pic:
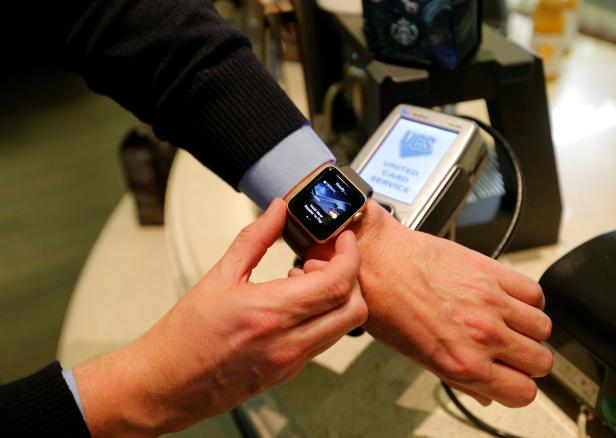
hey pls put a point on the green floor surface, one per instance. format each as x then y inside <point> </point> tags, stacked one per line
<point>59,181</point>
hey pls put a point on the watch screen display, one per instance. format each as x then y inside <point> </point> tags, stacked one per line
<point>326,203</point>
<point>406,158</point>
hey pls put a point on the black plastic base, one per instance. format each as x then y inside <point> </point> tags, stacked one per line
<point>511,81</point>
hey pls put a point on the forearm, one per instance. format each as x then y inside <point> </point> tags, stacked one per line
<point>112,397</point>
<point>182,68</point>
<point>378,236</point>
<point>129,392</point>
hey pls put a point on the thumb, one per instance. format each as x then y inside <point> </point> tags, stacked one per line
<point>251,243</point>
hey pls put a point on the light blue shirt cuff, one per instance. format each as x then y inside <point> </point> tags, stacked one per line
<point>72,385</point>
<point>284,166</point>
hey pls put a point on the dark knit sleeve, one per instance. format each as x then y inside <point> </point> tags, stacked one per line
<point>179,66</point>
<point>40,405</point>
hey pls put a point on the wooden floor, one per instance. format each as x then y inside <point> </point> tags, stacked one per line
<point>59,180</point>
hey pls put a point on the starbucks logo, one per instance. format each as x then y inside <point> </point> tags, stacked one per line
<point>404,32</point>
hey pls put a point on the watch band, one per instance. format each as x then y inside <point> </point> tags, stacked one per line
<point>295,236</point>
<point>357,180</point>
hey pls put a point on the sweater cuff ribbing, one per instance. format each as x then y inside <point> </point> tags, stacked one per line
<point>41,405</point>
<point>233,114</point>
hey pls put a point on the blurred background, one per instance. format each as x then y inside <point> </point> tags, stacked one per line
<point>59,180</point>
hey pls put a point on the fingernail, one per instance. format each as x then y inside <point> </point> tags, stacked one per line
<point>351,235</point>
<point>270,208</point>
<point>347,235</point>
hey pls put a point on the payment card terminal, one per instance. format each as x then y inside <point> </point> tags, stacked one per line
<point>422,165</point>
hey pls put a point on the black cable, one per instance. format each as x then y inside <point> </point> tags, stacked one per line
<point>501,142</point>
<point>475,420</point>
<point>243,423</point>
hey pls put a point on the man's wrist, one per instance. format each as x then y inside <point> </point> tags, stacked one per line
<point>115,399</point>
<point>376,234</point>
<point>369,233</point>
<point>285,166</point>
<point>69,378</point>
<point>379,235</point>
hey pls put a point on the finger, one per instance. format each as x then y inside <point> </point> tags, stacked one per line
<point>304,296</point>
<point>346,258</point>
<point>526,355</point>
<point>314,265</point>
<point>480,399</point>
<point>508,386</point>
<point>316,335</point>
<point>324,330</point>
<point>251,244</point>
<point>295,272</point>
<point>324,346</point>
<point>521,287</point>
<point>527,320</point>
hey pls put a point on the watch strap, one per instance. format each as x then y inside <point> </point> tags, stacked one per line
<point>357,180</point>
<point>297,238</point>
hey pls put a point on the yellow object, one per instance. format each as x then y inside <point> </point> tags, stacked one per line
<point>549,33</point>
<point>572,4</point>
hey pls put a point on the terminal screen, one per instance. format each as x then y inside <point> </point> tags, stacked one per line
<point>406,158</point>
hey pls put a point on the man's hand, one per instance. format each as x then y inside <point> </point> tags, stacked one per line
<point>469,319</point>
<point>226,340</point>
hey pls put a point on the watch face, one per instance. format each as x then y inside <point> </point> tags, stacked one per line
<point>326,203</point>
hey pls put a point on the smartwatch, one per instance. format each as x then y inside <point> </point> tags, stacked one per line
<point>321,208</point>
